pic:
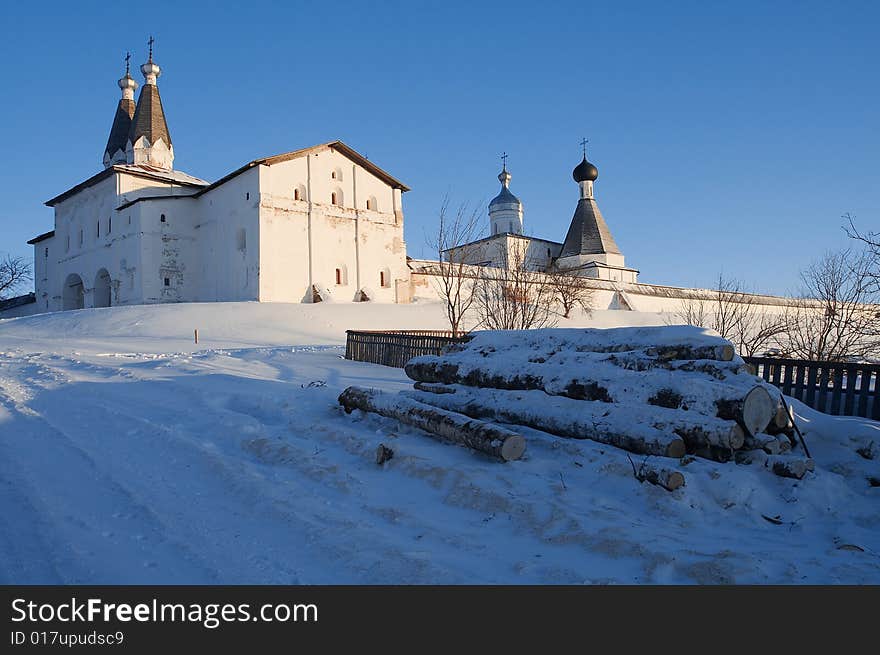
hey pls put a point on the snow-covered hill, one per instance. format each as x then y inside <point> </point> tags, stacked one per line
<point>130,455</point>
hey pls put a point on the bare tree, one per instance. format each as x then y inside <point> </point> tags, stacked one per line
<point>736,315</point>
<point>871,240</point>
<point>570,290</point>
<point>14,272</point>
<point>836,314</point>
<point>514,295</point>
<point>456,254</point>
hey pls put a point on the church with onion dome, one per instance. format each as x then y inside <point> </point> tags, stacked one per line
<point>312,224</point>
<point>589,249</point>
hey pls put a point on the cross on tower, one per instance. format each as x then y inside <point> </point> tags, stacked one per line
<point>584,143</point>
<point>504,160</point>
<point>151,42</point>
<point>127,60</point>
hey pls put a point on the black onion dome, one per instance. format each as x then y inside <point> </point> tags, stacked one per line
<point>585,171</point>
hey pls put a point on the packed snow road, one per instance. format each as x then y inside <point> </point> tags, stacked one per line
<point>236,465</point>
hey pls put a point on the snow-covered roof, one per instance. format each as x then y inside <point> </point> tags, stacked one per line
<point>138,170</point>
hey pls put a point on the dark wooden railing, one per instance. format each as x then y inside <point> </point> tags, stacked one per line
<point>830,387</point>
<point>395,348</point>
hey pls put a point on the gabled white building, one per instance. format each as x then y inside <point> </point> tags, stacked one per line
<point>313,224</point>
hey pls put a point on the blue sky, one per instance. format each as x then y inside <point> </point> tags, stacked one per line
<point>728,136</point>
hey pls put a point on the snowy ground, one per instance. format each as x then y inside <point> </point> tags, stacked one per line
<point>129,455</point>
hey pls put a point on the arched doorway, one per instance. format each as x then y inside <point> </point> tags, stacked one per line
<point>72,294</point>
<point>102,288</point>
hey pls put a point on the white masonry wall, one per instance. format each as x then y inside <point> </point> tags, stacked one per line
<point>90,236</point>
<point>227,236</point>
<point>304,242</point>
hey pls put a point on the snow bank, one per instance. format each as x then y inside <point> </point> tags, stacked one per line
<point>169,328</point>
<point>128,455</point>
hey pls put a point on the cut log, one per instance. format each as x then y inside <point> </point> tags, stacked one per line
<point>659,475</point>
<point>744,399</point>
<point>753,411</point>
<point>780,423</point>
<point>637,428</point>
<point>665,342</point>
<point>433,387</point>
<point>487,438</point>
<point>790,467</point>
<point>723,352</point>
<point>383,454</point>
<point>640,361</point>
<point>583,419</point>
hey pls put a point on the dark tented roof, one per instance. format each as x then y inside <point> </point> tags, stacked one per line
<point>149,118</point>
<point>588,233</point>
<point>121,126</point>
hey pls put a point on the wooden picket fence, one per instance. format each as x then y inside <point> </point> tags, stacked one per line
<point>395,348</point>
<point>830,387</point>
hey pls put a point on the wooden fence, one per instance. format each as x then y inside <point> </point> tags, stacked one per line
<point>830,387</point>
<point>395,348</point>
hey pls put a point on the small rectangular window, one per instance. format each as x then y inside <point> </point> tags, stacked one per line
<point>80,237</point>
<point>98,228</point>
<point>47,252</point>
<point>167,281</point>
<point>109,225</point>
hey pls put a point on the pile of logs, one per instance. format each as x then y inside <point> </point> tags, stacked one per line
<point>658,391</point>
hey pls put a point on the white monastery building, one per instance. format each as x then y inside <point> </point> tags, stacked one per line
<point>314,224</point>
<point>297,227</point>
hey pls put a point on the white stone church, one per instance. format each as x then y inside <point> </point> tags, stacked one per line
<point>589,249</point>
<point>297,227</point>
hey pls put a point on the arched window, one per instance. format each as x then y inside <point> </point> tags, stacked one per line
<point>333,198</point>
<point>372,204</point>
<point>296,194</point>
<point>162,218</point>
<point>336,198</point>
<point>336,174</point>
<point>341,275</point>
<point>299,193</point>
<point>385,278</point>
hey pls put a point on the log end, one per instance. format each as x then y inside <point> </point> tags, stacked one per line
<point>726,353</point>
<point>513,448</point>
<point>758,409</point>
<point>737,437</point>
<point>676,448</point>
<point>674,480</point>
